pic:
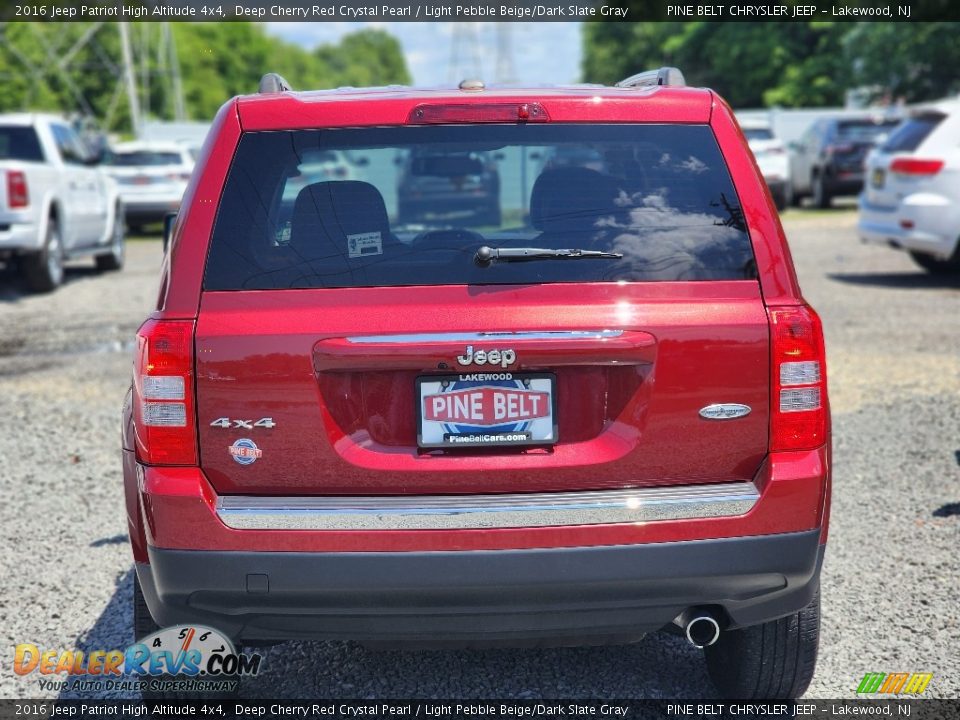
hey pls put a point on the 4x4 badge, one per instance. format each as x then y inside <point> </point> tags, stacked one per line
<point>724,411</point>
<point>227,423</point>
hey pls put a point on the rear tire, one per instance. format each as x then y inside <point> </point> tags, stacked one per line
<point>821,196</point>
<point>780,199</point>
<point>795,198</point>
<point>774,661</point>
<point>43,271</point>
<point>935,266</point>
<point>113,260</point>
<point>144,625</point>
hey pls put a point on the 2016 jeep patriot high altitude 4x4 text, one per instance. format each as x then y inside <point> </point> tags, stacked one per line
<point>597,412</point>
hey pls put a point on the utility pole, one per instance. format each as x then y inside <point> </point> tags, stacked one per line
<point>179,107</point>
<point>464,53</point>
<point>129,79</point>
<point>505,72</point>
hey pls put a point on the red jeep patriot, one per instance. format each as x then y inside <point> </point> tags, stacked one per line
<point>483,365</point>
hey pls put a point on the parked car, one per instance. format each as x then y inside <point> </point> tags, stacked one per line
<point>574,156</point>
<point>607,422</point>
<point>318,166</point>
<point>828,159</point>
<point>911,200</point>
<point>152,176</point>
<point>55,202</point>
<point>772,158</point>
<point>435,189</point>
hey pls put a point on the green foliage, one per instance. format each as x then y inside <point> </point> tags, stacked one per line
<point>217,61</point>
<point>791,64</point>
<point>915,61</point>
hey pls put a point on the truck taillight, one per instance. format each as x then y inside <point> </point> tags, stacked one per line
<point>799,402</point>
<point>17,194</point>
<point>164,418</point>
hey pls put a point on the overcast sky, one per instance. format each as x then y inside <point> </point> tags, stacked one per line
<point>547,52</point>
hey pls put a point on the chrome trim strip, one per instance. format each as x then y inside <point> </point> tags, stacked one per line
<point>468,337</point>
<point>461,512</point>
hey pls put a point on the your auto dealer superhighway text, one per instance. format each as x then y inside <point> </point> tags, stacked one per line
<point>430,11</point>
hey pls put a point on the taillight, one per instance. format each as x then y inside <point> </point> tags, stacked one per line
<point>799,374</point>
<point>838,149</point>
<point>17,194</point>
<point>916,166</point>
<point>166,428</point>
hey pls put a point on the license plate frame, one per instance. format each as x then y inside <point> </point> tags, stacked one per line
<point>541,431</point>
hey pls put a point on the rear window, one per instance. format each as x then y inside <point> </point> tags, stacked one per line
<point>141,158</point>
<point>910,133</point>
<point>412,205</point>
<point>864,130</point>
<point>19,143</point>
<point>758,134</point>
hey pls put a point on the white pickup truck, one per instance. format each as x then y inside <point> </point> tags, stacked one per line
<point>55,203</point>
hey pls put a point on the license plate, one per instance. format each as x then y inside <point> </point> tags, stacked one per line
<point>486,409</point>
<point>876,180</point>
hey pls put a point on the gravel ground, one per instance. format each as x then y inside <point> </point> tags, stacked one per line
<point>890,583</point>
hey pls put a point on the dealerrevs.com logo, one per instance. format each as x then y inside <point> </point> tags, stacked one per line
<point>894,683</point>
<point>190,658</point>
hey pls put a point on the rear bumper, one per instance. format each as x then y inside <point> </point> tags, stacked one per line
<point>935,226</point>
<point>843,184</point>
<point>20,237</point>
<point>152,209</point>
<point>558,595</point>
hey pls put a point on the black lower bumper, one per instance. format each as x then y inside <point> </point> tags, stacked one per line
<point>559,595</point>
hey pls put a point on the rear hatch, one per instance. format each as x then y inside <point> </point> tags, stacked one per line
<point>884,188</point>
<point>342,351</point>
<point>851,142</point>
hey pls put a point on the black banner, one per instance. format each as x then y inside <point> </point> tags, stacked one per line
<point>911,708</point>
<point>480,10</point>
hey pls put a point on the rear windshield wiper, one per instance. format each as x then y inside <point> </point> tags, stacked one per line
<point>487,255</point>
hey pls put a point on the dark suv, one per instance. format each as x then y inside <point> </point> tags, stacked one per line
<point>605,416</point>
<point>828,159</point>
<point>437,189</point>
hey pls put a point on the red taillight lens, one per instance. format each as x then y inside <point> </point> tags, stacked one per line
<point>916,166</point>
<point>164,417</point>
<point>17,194</point>
<point>478,113</point>
<point>799,402</point>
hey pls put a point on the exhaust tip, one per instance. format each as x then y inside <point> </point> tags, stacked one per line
<point>702,631</point>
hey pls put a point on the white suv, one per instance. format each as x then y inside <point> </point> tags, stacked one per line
<point>772,159</point>
<point>152,177</point>
<point>911,196</point>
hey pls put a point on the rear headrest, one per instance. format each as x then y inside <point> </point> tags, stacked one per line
<point>572,199</point>
<point>328,215</point>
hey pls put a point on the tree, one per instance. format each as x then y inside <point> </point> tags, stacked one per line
<point>810,64</point>
<point>365,58</point>
<point>913,61</point>
<point>217,61</point>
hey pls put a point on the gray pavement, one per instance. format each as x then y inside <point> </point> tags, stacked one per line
<point>890,585</point>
